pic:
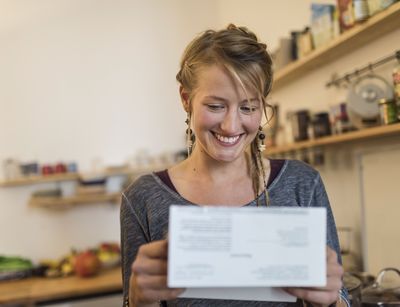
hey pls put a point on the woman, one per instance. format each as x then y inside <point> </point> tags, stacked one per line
<point>225,77</point>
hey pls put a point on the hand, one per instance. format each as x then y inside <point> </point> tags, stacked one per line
<point>148,281</point>
<point>323,296</point>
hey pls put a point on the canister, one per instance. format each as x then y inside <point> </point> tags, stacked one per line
<point>387,111</point>
<point>360,10</point>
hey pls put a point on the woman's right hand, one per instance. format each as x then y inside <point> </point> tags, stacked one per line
<point>148,281</point>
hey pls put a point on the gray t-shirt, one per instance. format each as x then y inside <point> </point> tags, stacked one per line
<point>144,218</point>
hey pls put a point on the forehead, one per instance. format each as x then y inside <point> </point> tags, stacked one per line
<point>216,79</point>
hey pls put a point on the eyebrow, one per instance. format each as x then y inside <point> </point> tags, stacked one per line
<point>225,100</point>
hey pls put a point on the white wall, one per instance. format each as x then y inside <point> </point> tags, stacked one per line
<point>85,79</point>
<point>269,19</point>
<point>80,81</point>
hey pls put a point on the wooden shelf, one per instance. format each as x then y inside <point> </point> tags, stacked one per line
<point>28,180</point>
<point>367,133</point>
<point>66,202</point>
<point>361,34</point>
<point>39,179</point>
<point>33,290</point>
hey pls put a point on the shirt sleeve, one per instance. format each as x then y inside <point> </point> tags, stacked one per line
<point>320,199</point>
<point>133,235</point>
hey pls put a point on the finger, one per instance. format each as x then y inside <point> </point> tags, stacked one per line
<point>155,249</point>
<point>334,270</point>
<point>157,295</point>
<point>153,282</point>
<point>314,296</point>
<point>150,266</point>
<point>333,284</point>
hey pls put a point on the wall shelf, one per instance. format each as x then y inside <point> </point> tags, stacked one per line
<point>29,180</point>
<point>39,179</point>
<point>367,133</point>
<point>361,34</point>
<point>66,202</point>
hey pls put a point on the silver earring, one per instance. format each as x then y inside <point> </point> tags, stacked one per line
<point>260,139</point>
<point>189,135</point>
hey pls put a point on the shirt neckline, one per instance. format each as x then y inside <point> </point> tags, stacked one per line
<point>269,187</point>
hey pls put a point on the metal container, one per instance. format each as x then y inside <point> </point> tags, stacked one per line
<point>360,10</point>
<point>387,111</point>
<point>382,294</point>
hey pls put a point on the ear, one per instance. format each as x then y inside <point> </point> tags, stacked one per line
<point>184,98</point>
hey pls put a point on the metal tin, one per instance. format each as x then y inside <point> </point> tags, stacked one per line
<point>360,10</point>
<point>382,294</point>
<point>387,111</point>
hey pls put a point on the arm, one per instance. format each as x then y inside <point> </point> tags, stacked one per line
<point>333,292</point>
<point>144,263</point>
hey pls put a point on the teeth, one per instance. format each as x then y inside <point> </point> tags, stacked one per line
<point>229,140</point>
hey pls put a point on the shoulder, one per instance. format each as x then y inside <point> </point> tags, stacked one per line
<point>296,176</point>
<point>142,187</point>
<point>298,184</point>
<point>299,169</point>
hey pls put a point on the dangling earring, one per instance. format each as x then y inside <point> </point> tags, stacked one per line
<point>189,135</point>
<point>260,139</point>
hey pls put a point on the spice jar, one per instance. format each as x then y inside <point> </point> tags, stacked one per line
<point>387,111</point>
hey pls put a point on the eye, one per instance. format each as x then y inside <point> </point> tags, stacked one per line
<point>248,109</point>
<point>215,107</point>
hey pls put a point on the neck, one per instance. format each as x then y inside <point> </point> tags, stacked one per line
<point>210,169</point>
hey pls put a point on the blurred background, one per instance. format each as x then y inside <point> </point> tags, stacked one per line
<point>89,100</point>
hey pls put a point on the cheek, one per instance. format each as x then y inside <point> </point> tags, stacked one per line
<point>253,123</point>
<point>204,119</point>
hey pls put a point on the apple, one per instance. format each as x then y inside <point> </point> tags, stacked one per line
<point>87,264</point>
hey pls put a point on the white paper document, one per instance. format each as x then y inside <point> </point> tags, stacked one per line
<point>240,253</point>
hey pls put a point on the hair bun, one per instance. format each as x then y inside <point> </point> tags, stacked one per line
<point>245,31</point>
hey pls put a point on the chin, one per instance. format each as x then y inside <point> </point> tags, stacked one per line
<point>227,157</point>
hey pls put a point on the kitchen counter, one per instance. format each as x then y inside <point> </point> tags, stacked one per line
<point>30,291</point>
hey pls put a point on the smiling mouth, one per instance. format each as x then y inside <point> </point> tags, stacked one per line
<point>228,140</point>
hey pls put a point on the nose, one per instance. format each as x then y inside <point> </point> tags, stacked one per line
<point>231,122</point>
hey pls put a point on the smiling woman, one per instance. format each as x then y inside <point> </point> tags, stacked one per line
<point>224,79</point>
<point>234,67</point>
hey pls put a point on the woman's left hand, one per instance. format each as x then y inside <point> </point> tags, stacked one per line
<point>323,296</point>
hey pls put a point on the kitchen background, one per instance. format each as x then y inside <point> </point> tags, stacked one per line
<point>93,82</point>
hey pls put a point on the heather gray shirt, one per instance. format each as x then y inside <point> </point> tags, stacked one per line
<point>144,218</point>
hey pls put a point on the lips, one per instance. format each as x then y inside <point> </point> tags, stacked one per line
<point>227,140</point>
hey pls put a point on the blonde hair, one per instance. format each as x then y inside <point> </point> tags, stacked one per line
<point>240,52</point>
